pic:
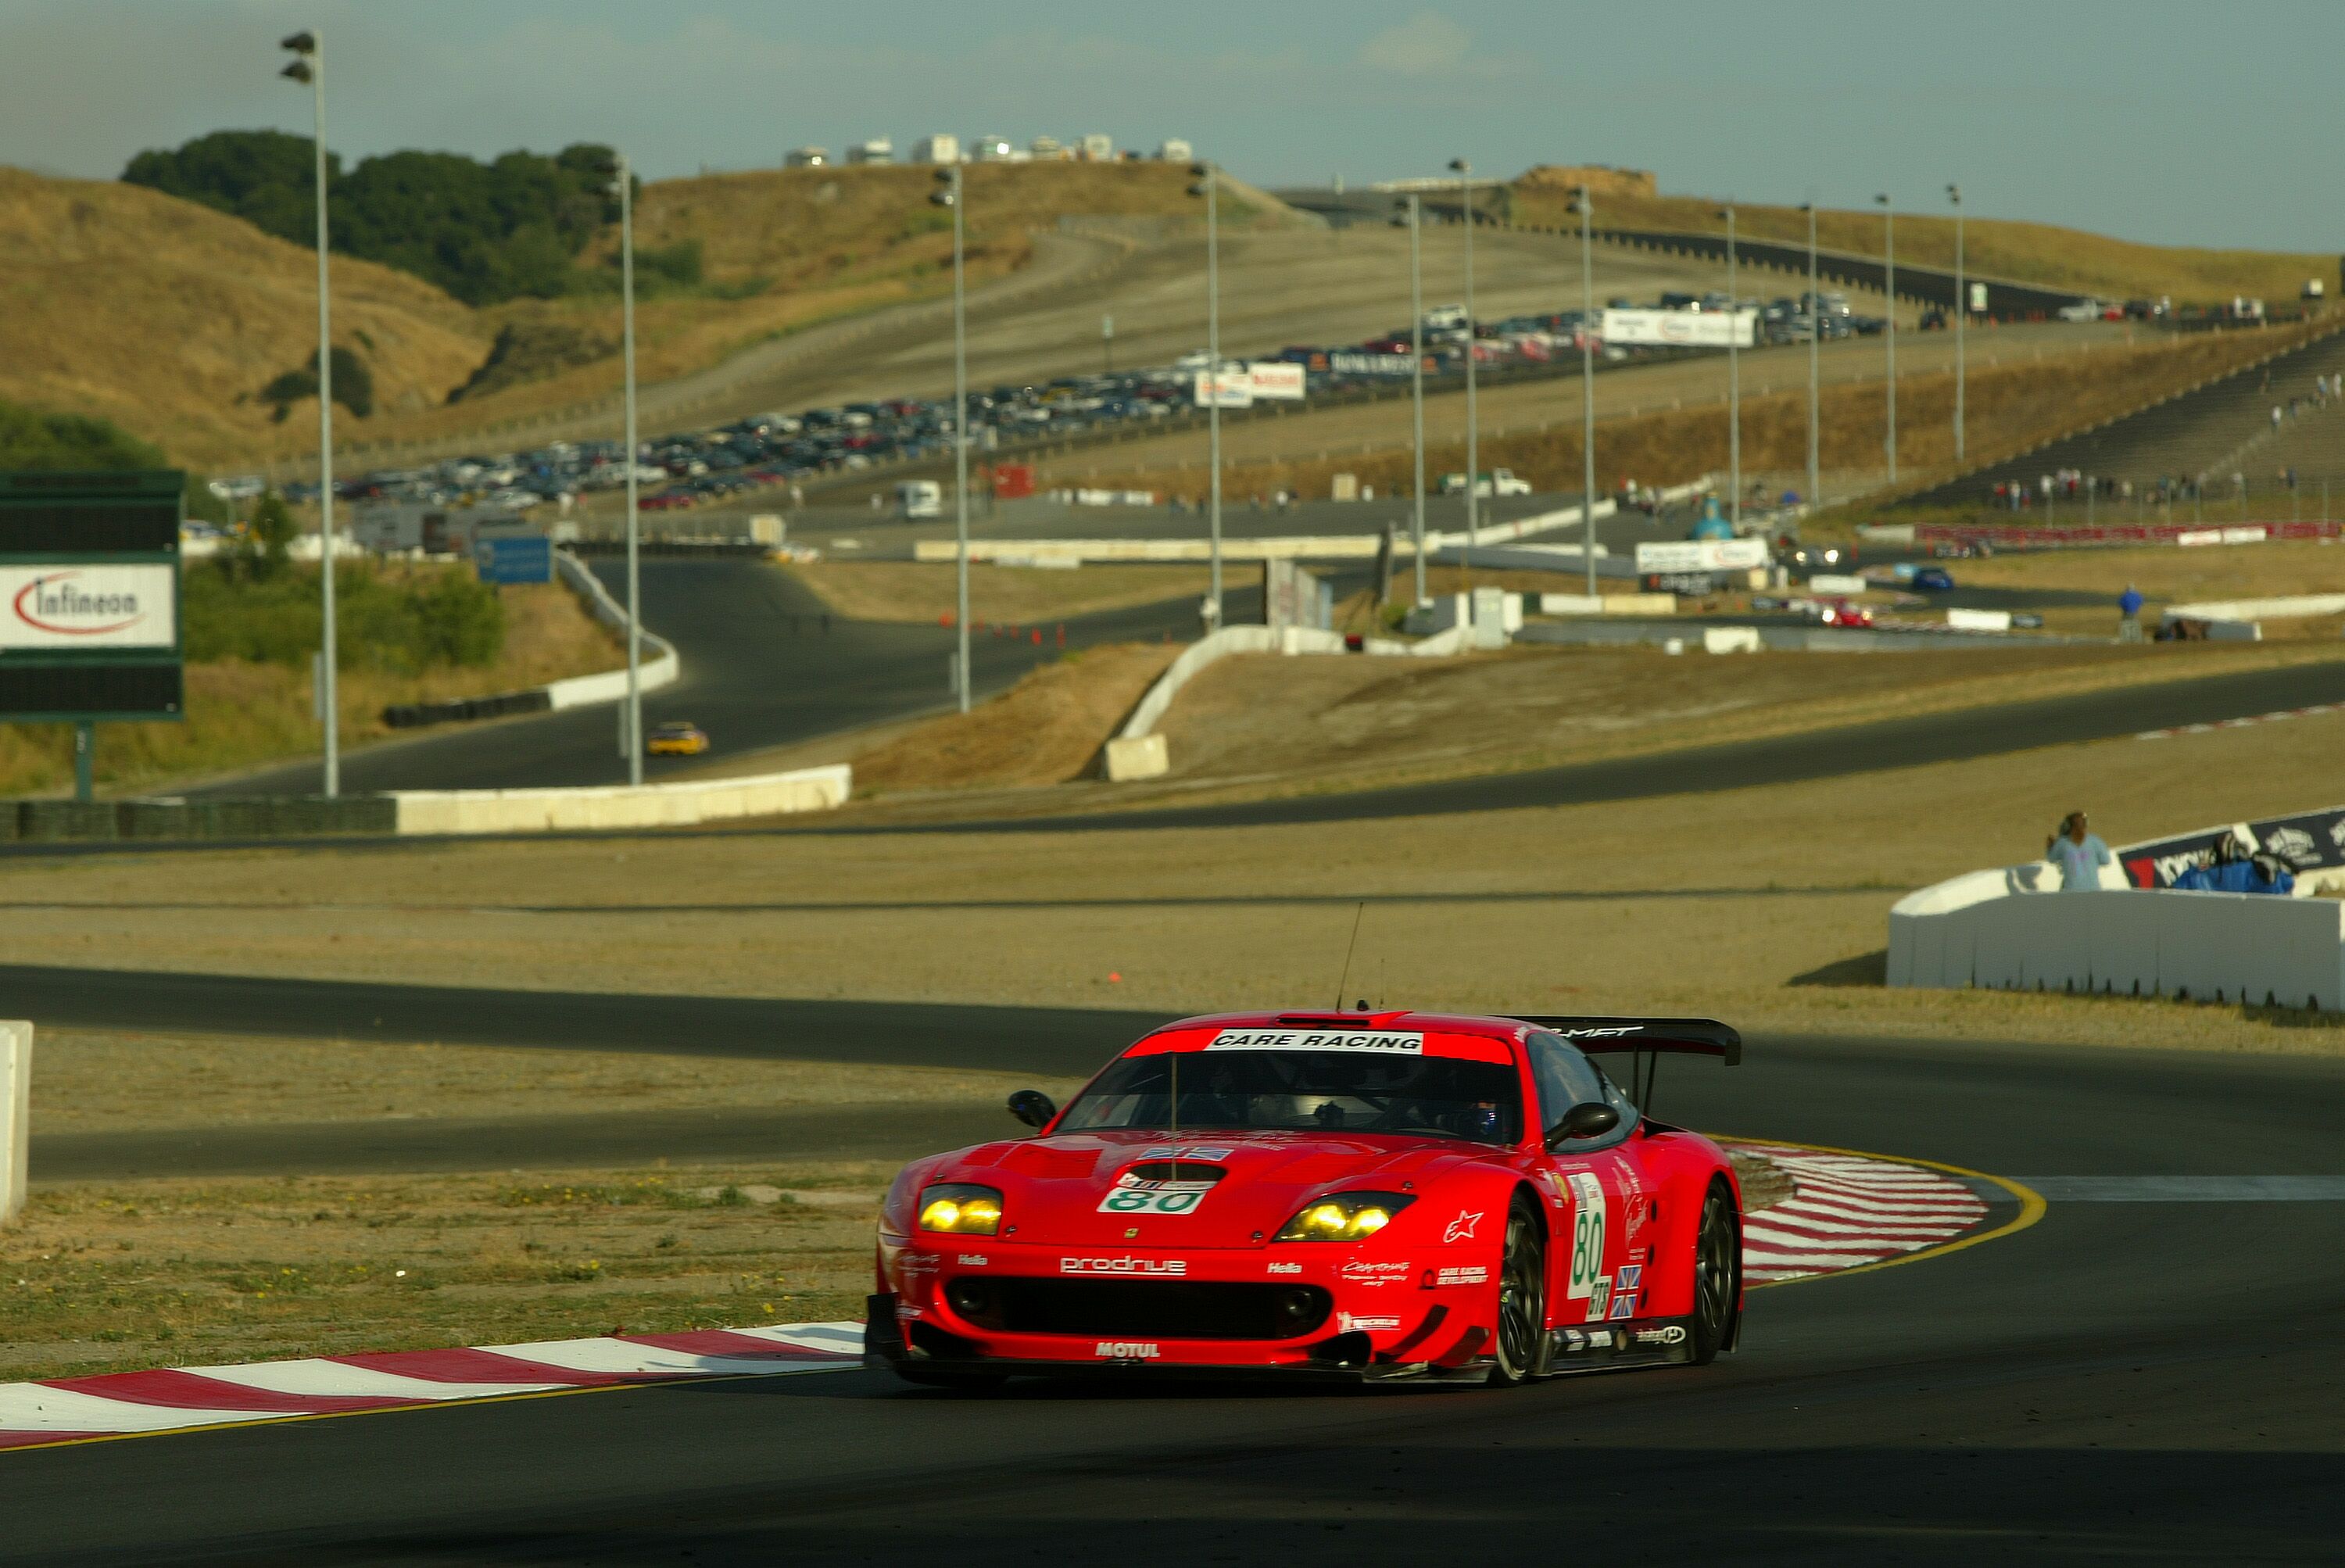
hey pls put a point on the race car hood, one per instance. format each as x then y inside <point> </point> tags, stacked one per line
<point>1054,1189</point>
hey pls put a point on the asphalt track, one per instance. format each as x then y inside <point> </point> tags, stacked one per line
<point>2140,1381</point>
<point>1830,753</point>
<point>764,665</point>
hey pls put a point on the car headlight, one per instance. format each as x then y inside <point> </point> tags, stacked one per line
<point>1345,1217</point>
<point>960,1209</point>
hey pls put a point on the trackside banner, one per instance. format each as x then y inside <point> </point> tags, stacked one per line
<point>110,607</point>
<point>2309,840</point>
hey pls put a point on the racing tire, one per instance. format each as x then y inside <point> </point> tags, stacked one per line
<point>1521,1319</point>
<point>1717,1275</point>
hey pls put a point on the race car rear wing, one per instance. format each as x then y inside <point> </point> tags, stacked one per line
<point>1647,1040</point>
<point>1674,1036</point>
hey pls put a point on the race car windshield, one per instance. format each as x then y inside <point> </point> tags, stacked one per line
<point>1307,1090</point>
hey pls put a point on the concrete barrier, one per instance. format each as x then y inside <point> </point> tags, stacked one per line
<point>1137,756</point>
<point>462,811</point>
<point>16,1115</point>
<point>1963,620</point>
<point>662,669</point>
<point>1729,639</point>
<point>2016,930</point>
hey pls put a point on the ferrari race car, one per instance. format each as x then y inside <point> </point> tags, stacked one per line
<point>1358,1195</point>
<point>675,738</point>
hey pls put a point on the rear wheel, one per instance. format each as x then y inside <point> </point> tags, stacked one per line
<point>1717,1275</point>
<point>1522,1300</point>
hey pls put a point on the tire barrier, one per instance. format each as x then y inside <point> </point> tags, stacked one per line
<point>415,714</point>
<point>257,817</point>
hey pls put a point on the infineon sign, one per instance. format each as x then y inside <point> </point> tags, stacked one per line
<point>89,597</point>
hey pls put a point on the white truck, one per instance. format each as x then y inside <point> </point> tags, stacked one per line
<point>1497,482</point>
<point>919,498</point>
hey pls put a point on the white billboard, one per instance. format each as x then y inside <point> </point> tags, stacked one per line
<point>1701,555</point>
<point>1275,379</point>
<point>1680,329</point>
<point>1230,389</point>
<point>126,606</point>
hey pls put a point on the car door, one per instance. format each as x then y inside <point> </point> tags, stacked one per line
<point>1598,1199</point>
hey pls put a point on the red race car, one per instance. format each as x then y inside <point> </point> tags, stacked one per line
<point>1361,1196</point>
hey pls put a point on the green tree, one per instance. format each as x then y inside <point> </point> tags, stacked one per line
<point>32,439</point>
<point>354,383</point>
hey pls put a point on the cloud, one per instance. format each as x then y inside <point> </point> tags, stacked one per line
<point>1427,44</point>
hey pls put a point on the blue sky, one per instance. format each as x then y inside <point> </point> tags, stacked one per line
<point>2198,124</point>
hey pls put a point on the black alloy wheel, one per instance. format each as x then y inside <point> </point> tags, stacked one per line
<point>1522,1300</point>
<point>1717,1275</point>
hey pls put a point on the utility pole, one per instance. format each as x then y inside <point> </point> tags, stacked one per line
<point>1961,315</point>
<point>1586,391</point>
<point>951,196</point>
<point>1464,172</point>
<point>1888,230</point>
<point>310,66</point>
<point>1209,186</point>
<point>633,726</point>
<point>1416,373</point>
<point>1815,339</point>
<point>1734,377</point>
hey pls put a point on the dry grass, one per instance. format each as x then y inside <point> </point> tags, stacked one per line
<point>998,596</point>
<point>168,318</point>
<point>1764,906</point>
<point>2009,407</point>
<point>243,715</point>
<point>1046,729</point>
<point>103,1276</point>
<point>2166,574</point>
<point>2039,253</point>
<point>103,1080</point>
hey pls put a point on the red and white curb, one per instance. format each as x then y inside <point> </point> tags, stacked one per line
<point>112,1404</point>
<point>1849,1210</point>
<point>1845,1211</point>
<point>2240,723</point>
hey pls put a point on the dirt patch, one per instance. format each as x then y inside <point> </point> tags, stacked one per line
<point>1269,725</point>
<point>998,596</point>
<point>1046,729</point>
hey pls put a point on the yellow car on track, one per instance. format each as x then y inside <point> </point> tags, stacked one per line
<point>677,738</point>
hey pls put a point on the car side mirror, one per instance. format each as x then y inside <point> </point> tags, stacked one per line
<point>1034,1108</point>
<point>1591,1119</point>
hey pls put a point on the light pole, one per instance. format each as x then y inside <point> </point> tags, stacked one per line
<point>631,727</point>
<point>1464,172</point>
<point>310,66</point>
<point>1889,231</point>
<point>1416,376</point>
<point>1587,388</point>
<point>1209,186</point>
<point>951,196</point>
<point>1733,377</point>
<point>1815,339</point>
<point>1961,315</point>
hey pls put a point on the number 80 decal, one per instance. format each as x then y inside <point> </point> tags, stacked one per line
<point>1155,1197</point>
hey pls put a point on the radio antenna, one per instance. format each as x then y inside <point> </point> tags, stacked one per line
<point>1349,948</point>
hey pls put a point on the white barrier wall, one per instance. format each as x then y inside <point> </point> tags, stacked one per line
<point>660,669</point>
<point>16,1115</point>
<point>2014,930</point>
<point>456,812</point>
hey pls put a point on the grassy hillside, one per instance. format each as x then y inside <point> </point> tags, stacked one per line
<point>2038,253</point>
<point>169,319</point>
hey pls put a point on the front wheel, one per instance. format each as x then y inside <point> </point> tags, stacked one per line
<point>1522,1300</point>
<point>1717,1276</point>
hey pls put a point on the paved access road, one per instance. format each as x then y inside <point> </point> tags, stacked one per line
<point>764,665</point>
<point>2125,1380</point>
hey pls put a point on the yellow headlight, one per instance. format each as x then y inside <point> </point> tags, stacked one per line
<point>1369,1221</point>
<point>971,1213</point>
<point>1345,1216</point>
<point>1326,1219</point>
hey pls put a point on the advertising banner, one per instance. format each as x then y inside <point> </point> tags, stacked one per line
<point>513,558</point>
<point>2310,841</point>
<point>1231,389</point>
<point>1275,379</point>
<point>1680,328</point>
<point>88,607</point>
<point>1699,555</point>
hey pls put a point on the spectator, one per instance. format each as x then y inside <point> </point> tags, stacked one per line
<point>2129,608</point>
<point>2230,868</point>
<point>2079,854</point>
